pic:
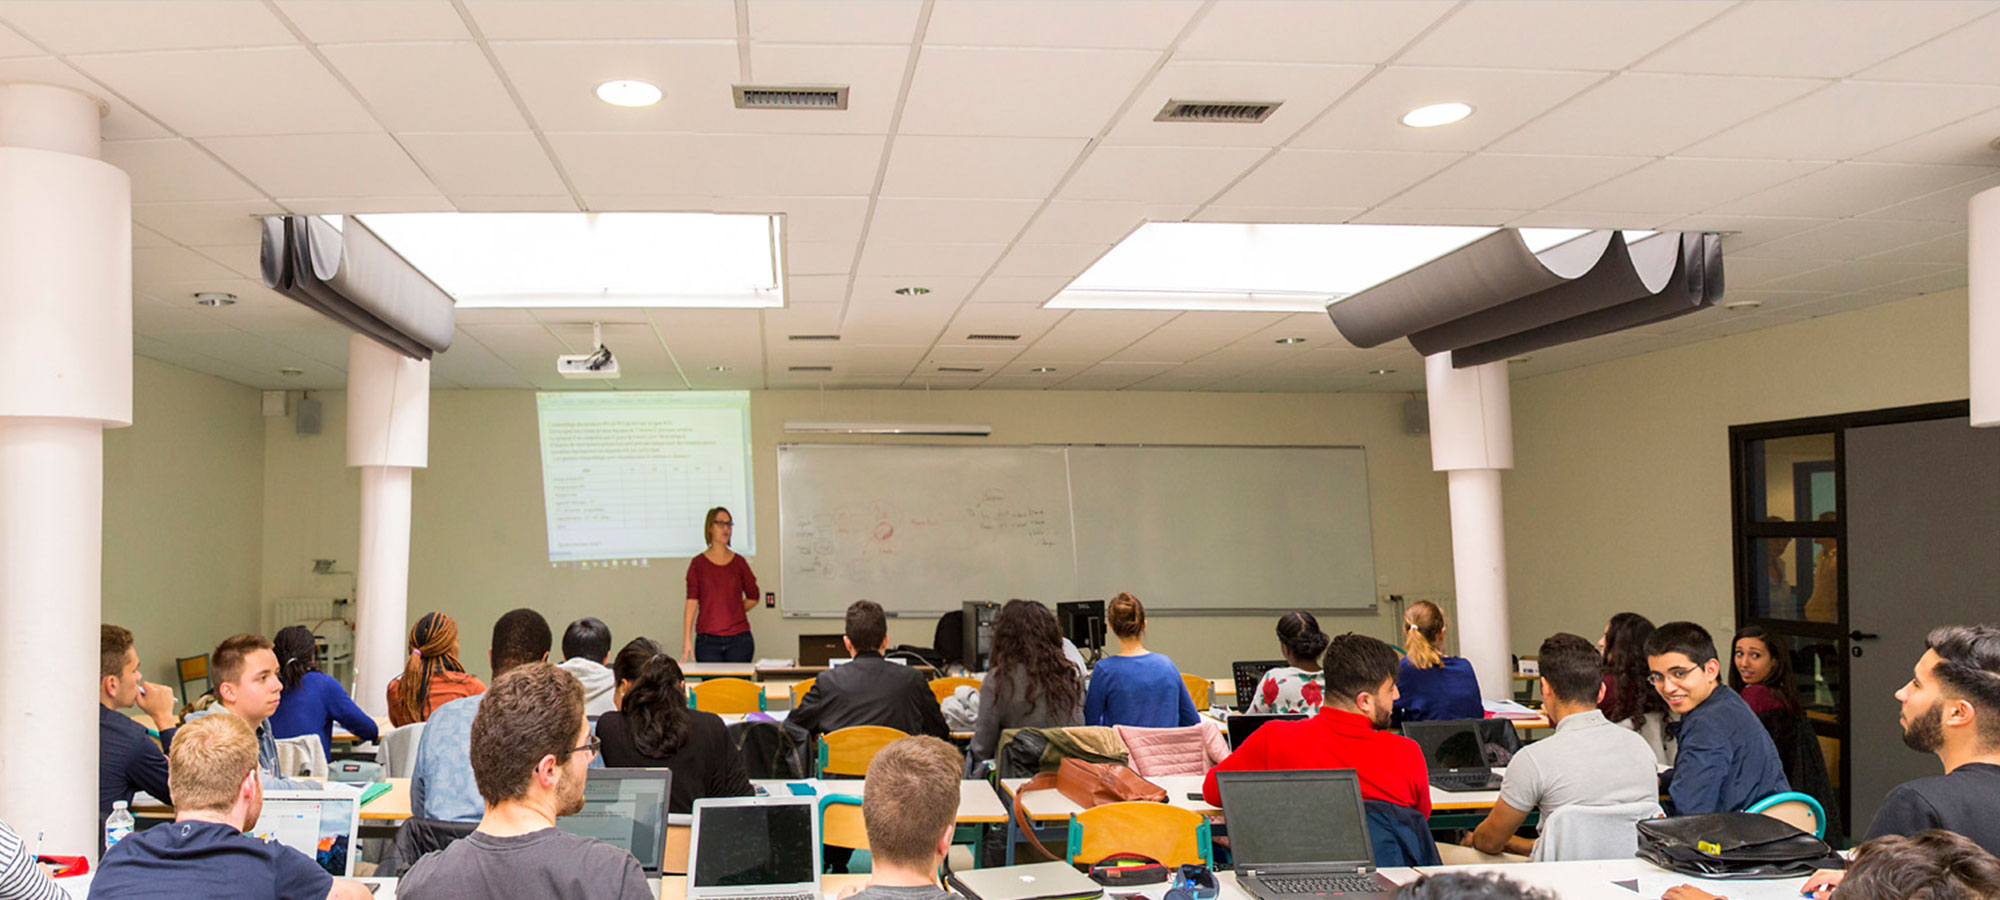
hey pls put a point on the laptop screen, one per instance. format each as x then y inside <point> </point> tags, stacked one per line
<point>626,808</point>
<point>1297,816</point>
<point>1448,745</point>
<point>752,844</point>
<point>319,825</point>
<point>1242,725</point>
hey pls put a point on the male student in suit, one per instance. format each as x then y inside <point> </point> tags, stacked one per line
<point>870,690</point>
<point>244,670</point>
<point>441,780</point>
<point>1951,707</point>
<point>1726,760</point>
<point>127,759</point>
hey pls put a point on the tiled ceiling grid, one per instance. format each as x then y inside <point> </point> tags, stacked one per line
<point>995,148</point>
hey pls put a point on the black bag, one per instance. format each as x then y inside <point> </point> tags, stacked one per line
<point>1733,845</point>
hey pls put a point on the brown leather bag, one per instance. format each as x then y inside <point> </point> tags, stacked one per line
<point>1086,784</point>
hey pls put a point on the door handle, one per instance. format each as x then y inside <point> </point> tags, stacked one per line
<point>1860,635</point>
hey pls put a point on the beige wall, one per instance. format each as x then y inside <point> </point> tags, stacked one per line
<point>183,516</point>
<point>480,547</point>
<point>1619,499</point>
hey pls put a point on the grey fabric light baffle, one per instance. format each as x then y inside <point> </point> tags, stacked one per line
<point>351,276</point>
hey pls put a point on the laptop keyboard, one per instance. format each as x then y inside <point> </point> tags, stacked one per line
<point>1323,884</point>
<point>805,896</point>
<point>1461,778</point>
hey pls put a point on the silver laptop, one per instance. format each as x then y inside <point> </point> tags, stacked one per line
<point>319,824</point>
<point>1040,881</point>
<point>754,847</point>
<point>1300,833</point>
<point>626,808</point>
<point>1454,754</point>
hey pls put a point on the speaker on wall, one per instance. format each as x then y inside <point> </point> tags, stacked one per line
<point>308,417</point>
<point>1416,415</point>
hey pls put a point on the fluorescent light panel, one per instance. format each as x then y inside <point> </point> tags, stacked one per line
<point>593,260</point>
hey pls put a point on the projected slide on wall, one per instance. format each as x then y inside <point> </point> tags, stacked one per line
<point>629,475</point>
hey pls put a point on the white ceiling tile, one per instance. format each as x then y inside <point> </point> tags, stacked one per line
<point>1943,280</point>
<point>1685,185</point>
<point>1333,178</point>
<point>1825,40</point>
<point>912,220</point>
<point>481,316</point>
<point>175,171</point>
<point>1850,189</point>
<point>1020,290</point>
<point>1478,218</point>
<point>1501,99</point>
<point>482,203</point>
<point>152,316</point>
<point>1300,215</point>
<point>1652,114</point>
<point>989,355</point>
<point>469,364</point>
<point>345,21</point>
<point>323,165</point>
<point>877,292</point>
<point>1099,24</point>
<point>1090,334</point>
<point>586,316</point>
<point>1304,89</point>
<point>247,351</point>
<point>800,318</point>
<point>815,290</point>
<point>1029,322</point>
<point>205,223</point>
<point>326,344</point>
<point>1950,248</point>
<point>1512,182</point>
<point>920,260</point>
<point>1186,175</point>
<point>721,164</point>
<point>242,260</point>
<point>1962,143</point>
<point>486,164</point>
<point>506,20</point>
<point>113,26</point>
<point>1853,238</point>
<point>1284,31</point>
<point>1744,232</point>
<point>123,121</point>
<point>12,44</point>
<point>1049,260</point>
<point>1112,375</point>
<point>1556,34</point>
<point>557,82</point>
<point>1098,222</point>
<point>1849,119</point>
<point>1026,168</point>
<point>1016,92</point>
<point>429,86</point>
<point>915,323</point>
<point>307,206</point>
<point>819,257</point>
<point>873,76</point>
<point>147,237</point>
<point>1948,205</point>
<point>1751,272</point>
<point>1858,275</point>
<point>193,361</point>
<point>273,90</point>
<point>1962,56</point>
<point>851,22</point>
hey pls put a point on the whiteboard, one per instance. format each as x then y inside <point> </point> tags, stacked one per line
<point>921,529</point>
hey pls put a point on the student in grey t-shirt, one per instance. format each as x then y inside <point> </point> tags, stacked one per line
<point>909,804</point>
<point>1588,760</point>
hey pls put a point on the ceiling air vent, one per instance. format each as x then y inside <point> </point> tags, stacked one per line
<point>1241,112</point>
<point>961,370</point>
<point>809,368</point>
<point>812,337</point>
<point>791,96</point>
<point>992,337</point>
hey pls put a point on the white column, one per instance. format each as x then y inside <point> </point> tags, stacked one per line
<point>65,375</point>
<point>388,434</point>
<point>1472,440</point>
<point>1984,323</point>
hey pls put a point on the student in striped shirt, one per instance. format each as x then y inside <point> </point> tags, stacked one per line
<point>20,877</point>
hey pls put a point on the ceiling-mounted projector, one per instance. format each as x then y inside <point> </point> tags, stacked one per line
<point>598,363</point>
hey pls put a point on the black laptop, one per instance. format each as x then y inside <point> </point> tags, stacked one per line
<point>1242,724</point>
<point>1454,754</point>
<point>817,649</point>
<point>1248,676</point>
<point>1300,833</point>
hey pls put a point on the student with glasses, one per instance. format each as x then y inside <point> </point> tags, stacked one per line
<point>1726,760</point>
<point>721,591</point>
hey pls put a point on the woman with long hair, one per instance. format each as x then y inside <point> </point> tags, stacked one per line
<point>654,727</point>
<point>1761,671</point>
<point>312,700</point>
<point>1433,685</point>
<point>432,676</point>
<point>1296,686</point>
<point>1029,682</point>
<point>1628,698</point>
<point>1137,687</point>
<point>625,666</point>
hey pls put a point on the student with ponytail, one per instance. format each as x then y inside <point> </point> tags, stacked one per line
<point>654,727</point>
<point>1297,686</point>
<point>312,700</point>
<point>432,676</point>
<point>1433,685</point>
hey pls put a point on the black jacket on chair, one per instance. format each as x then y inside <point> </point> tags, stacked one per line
<point>868,691</point>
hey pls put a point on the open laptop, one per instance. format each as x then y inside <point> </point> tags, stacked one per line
<point>817,649</point>
<point>1454,754</point>
<point>1242,724</point>
<point>1300,833</point>
<point>319,824</point>
<point>1248,676</point>
<point>754,847</point>
<point>626,808</point>
<point>1040,881</point>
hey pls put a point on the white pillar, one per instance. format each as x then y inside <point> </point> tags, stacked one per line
<point>388,434</point>
<point>1984,324</point>
<point>65,375</point>
<point>1472,440</point>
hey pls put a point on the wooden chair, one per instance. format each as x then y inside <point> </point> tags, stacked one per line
<point>726,695</point>
<point>1798,810</point>
<point>675,861</point>
<point>945,687</point>
<point>799,691</point>
<point>1170,834</point>
<point>192,669</point>
<point>1198,689</point>
<point>841,823</point>
<point>847,751</point>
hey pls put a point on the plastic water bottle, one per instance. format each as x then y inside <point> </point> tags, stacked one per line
<point>118,825</point>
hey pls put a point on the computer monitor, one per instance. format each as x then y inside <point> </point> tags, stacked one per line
<point>978,625</point>
<point>318,823</point>
<point>626,808</point>
<point>1083,623</point>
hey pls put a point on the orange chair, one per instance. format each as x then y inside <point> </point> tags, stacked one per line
<point>675,862</point>
<point>848,751</point>
<point>1198,689</point>
<point>841,823</point>
<point>945,687</point>
<point>799,691</point>
<point>1170,834</point>
<point>727,695</point>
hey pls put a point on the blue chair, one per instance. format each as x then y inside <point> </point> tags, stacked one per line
<point>1800,811</point>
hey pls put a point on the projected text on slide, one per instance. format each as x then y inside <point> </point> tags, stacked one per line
<point>629,475</point>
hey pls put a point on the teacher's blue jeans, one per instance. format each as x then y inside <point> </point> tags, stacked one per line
<point>736,648</point>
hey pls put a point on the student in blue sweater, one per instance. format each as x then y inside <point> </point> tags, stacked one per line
<point>312,700</point>
<point>1726,760</point>
<point>1137,687</point>
<point>1433,686</point>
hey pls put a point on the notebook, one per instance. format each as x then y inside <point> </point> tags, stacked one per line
<point>1454,754</point>
<point>1300,833</point>
<point>1040,881</point>
<point>754,847</point>
<point>626,808</point>
<point>319,824</point>
<point>1242,724</point>
<point>1248,676</point>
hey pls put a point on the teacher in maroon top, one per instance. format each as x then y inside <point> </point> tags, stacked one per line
<point>721,589</point>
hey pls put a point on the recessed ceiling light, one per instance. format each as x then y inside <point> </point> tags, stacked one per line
<point>290,372</point>
<point>913,291</point>
<point>1042,370</point>
<point>214,298</point>
<point>632,94</point>
<point>1742,305</point>
<point>1381,371</point>
<point>1436,114</point>
<point>1291,340</point>
<point>718,368</point>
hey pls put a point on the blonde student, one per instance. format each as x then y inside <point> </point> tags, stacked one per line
<point>1433,685</point>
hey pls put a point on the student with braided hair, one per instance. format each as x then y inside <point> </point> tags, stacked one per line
<point>433,676</point>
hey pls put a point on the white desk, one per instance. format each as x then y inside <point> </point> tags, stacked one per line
<point>977,803</point>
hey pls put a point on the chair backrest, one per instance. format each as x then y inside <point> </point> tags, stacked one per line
<point>1399,835</point>
<point>398,753</point>
<point>679,839</point>
<point>944,687</point>
<point>1160,752</point>
<point>1170,834</point>
<point>302,756</point>
<point>1798,810</point>
<point>841,823</point>
<point>726,695</point>
<point>418,836</point>
<point>1580,831</point>
<point>799,691</point>
<point>192,669</point>
<point>1198,688</point>
<point>848,751</point>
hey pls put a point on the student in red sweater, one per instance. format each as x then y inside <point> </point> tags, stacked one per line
<point>1346,734</point>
